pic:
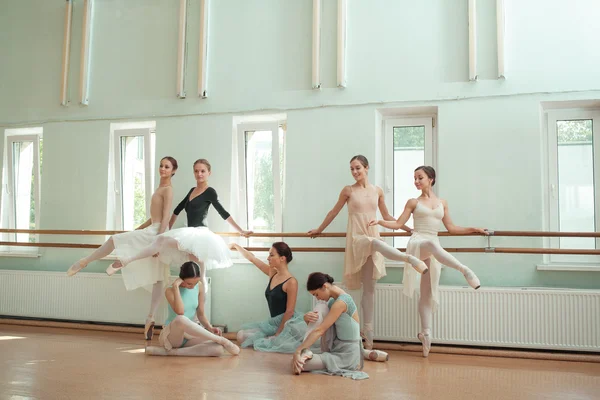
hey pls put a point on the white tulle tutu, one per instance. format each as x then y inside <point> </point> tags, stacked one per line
<point>142,273</point>
<point>208,247</point>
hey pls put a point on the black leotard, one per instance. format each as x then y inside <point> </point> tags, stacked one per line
<point>197,209</point>
<point>276,298</point>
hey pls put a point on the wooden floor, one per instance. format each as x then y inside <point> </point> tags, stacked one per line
<point>51,363</point>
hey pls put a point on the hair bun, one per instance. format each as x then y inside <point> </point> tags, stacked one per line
<point>329,278</point>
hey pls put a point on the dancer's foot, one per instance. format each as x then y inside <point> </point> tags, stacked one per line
<point>472,279</point>
<point>75,268</point>
<point>230,347</point>
<point>377,355</point>
<point>418,265</point>
<point>425,339</point>
<point>156,351</point>
<point>114,267</point>
<point>149,328</point>
<point>367,335</point>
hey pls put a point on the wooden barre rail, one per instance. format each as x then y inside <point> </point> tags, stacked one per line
<point>504,250</point>
<point>304,234</point>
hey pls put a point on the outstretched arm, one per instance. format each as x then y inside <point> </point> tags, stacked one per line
<point>384,210</point>
<point>264,267</point>
<point>399,223</point>
<point>344,195</point>
<point>458,230</point>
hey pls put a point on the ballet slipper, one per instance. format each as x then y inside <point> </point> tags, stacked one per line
<point>149,329</point>
<point>418,265</point>
<point>230,347</point>
<point>111,270</point>
<point>425,339</point>
<point>472,279</point>
<point>75,268</point>
<point>378,355</point>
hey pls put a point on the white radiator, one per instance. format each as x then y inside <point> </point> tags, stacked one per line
<point>537,318</point>
<point>83,297</point>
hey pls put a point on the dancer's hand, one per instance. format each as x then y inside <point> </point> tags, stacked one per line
<point>156,255</point>
<point>177,282</point>
<point>313,233</point>
<point>312,316</point>
<point>246,233</point>
<point>216,331</point>
<point>481,231</point>
<point>297,364</point>
<point>373,222</point>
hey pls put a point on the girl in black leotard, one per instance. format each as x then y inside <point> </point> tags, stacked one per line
<point>195,242</point>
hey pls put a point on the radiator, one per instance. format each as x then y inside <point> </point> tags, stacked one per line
<point>560,319</point>
<point>83,297</point>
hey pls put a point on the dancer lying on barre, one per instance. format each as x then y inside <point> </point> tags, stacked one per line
<point>181,335</point>
<point>428,212</point>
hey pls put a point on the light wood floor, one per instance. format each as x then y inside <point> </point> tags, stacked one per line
<point>51,363</point>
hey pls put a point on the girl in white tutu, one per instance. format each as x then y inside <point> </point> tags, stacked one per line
<point>363,265</point>
<point>144,273</point>
<point>428,212</point>
<point>181,334</point>
<point>195,242</point>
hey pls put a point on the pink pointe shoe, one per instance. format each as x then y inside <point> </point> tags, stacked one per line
<point>75,268</point>
<point>418,265</point>
<point>113,268</point>
<point>425,339</point>
<point>472,280</point>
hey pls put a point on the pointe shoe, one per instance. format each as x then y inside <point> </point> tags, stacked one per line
<point>230,347</point>
<point>156,351</point>
<point>368,339</point>
<point>305,355</point>
<point>112,270</point>
<point>425,338</point>
<point>149,329</point>
<point>378,355</point>
<point>472,280</point>
<point>418,265</point>
<point>75,268</point>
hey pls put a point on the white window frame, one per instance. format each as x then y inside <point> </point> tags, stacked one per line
<point>389,123</point>
<point>550,198</point>
<point>8,213</point>
<point>148,135</point>
<point>274,127</point>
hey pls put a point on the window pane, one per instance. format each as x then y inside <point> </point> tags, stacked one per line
<point>409,153</point>
<point>259,182</point>
<point>133,182</point>
<point>23,194</point>
<point>576,181</point>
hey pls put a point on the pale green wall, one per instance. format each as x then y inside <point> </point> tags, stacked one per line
<point>400,53</point>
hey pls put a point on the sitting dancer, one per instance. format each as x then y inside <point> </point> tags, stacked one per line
<point>428,211</point>
<point>363,265</point>
<point>149,272</point>
<point>339,333</point>
<point>285,330</point>
<point>181,334</point>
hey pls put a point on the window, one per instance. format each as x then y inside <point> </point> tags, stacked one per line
<point>21,184</point>
<point>573,182</point>
<point>408,144</point>
<point>133,183</point>
<point>261,175</point>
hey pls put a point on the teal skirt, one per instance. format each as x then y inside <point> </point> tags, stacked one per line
<point>287,341</point>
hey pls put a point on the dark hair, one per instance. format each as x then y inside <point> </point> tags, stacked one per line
<point>429,171</point>
<point>189,269</point>
<point>316,280</point>
<point>173,163</point>
<point>283,250</point>
<point>202,161</point>
<point>362,159</point>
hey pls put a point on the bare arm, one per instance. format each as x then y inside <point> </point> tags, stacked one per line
<point>252,258</point>
<point>384,210</point>
<point>458,230</point>
<point>338,308</point>
<point>408,209</point>
<point>200,312</point>
<point>344,195</point>
<point>174,297</point>
<point>172,221</point>
<point>291,288</point>
<point>237,227</point>
<point>167,202</point>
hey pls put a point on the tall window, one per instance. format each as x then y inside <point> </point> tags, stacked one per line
<point>133,174</point>
<point>262,164</point>
<point>408,144</point>
<point>21,178</point>
<point>574,181</point>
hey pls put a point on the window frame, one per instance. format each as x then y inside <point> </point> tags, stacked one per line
<point>551,190</point>
<point>12,136</point>
<point>148,135</point>
<point>278,196</point>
